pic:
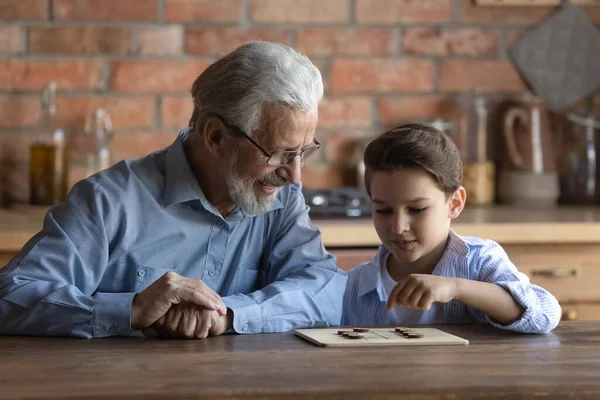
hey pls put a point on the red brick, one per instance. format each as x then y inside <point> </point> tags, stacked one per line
<point>31,74</point>
<point>124,112</point>
<point>12,39</point>
<point>512,35</point>
<point>403,11</point>
<point>79,40</point>
<point>498,76</point>
<point>23,111</point>
<point>346,41</point>
<point>134,145</point>
<point>160,40</point>
<point>155,76</point>
<point>299,11</point>
<point>398,110</point>
<point>345,111</point>
<point>381,75</point>
<point>176,111</point>
<point>502,15</point>
<point>218,41</point>
<point>106,10</point>
<point>19,111</point>
<point>325,176</point>
<point>23,9</point>
<point>203,10</point>
<point>450,42</point>
<point>341,147</point>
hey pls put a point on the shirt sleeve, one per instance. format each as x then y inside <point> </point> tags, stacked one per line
<point>542,311</point>
<point>305,287</point>
<point>49,287</point>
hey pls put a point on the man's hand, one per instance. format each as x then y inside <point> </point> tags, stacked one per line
<point>153,302</point>
<point>189,321</point>
<point>420,291</point>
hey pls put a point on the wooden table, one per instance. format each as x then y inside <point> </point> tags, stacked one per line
<point>495,365</point>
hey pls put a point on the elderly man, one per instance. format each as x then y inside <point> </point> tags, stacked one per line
<point>209,235</point>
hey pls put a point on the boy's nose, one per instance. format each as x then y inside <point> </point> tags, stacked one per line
<point>401,224</point>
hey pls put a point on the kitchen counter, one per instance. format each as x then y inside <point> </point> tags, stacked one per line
<point>503,224</point>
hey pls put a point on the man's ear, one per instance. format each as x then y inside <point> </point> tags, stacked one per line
<point>457,202</point>
<point>214,135</point>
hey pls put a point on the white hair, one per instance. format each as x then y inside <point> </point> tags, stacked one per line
<point>239,85</point>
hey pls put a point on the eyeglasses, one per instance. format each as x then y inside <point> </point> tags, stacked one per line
<point>278,158</point>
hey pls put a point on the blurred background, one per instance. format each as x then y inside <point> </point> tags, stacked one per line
<point>384,62</point>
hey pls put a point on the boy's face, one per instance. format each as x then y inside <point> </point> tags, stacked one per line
<point>411,214</point>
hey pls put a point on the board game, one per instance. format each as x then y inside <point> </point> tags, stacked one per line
<point>394,336</point>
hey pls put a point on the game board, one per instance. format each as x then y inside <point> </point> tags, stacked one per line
<point>396,336</point>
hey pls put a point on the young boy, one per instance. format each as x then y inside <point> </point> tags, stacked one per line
<point>424,273</point>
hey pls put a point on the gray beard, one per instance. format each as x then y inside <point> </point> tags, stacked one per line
<point>242,192</point>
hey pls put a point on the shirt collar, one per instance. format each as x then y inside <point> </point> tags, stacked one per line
<point>181,184</point>
<point>454,247</point>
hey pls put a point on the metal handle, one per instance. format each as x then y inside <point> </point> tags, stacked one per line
<point>569,315</point>
<point>555,272</point>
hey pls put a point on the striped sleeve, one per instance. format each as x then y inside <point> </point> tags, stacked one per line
<point>542,311</point>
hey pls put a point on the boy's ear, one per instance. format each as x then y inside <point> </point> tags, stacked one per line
<point>457,202</point>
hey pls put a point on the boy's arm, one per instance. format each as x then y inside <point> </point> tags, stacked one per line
<point>540,310</point>
<point>489,298</point>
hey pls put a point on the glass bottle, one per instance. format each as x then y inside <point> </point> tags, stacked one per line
<point>99,132</point>
<point>48,155</point>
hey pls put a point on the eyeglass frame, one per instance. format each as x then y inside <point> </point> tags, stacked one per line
<point>316,146</point>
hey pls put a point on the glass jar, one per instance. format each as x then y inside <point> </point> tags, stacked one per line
<point>577,161</point>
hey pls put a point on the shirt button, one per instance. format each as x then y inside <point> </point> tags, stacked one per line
<point>141,272</point>
<point>112,330</point>
<point>212,272</point>
<point>220,224</point>
<point>245,327</point>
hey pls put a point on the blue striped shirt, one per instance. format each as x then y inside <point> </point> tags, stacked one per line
<point>125,227</point>
<point>467,258</point>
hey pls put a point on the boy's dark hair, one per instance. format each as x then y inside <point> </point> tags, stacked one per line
<point>416,146</point>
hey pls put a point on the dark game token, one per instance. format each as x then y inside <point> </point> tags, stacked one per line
<point>345,334</point>
<point>342,331</point>
<point>361,329</point>
<point>354,336</point>
<point>415,335</point>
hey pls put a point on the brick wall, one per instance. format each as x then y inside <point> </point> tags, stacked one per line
<point>384,61</point>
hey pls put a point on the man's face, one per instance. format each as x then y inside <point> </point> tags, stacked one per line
<point>253,183</point>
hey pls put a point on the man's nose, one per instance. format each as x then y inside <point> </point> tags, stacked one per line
<point>293,170</point>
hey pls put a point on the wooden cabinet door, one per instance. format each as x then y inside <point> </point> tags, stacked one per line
<point>350,258</point>
<point>5,258</point>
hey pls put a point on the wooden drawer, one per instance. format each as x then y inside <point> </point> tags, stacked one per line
<point>570,272</point>
<point>580,311</point>
<point>5,258</point>
<point>350,258</point>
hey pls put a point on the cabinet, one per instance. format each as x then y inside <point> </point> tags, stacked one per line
<point>5,258</point>
<point>571,272</point>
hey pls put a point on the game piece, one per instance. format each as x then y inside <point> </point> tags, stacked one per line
<point>354,336</point>
<point>415,335</point>
<point>342,331</point>
<point>361,330</point>
<point>327,337</point>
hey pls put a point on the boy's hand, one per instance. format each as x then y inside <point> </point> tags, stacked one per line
<point>420,291</point>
